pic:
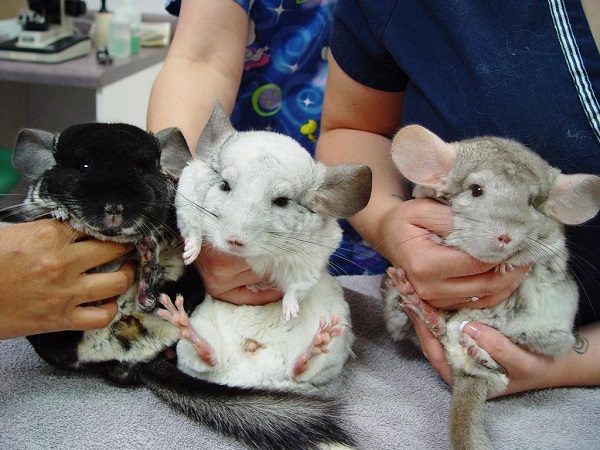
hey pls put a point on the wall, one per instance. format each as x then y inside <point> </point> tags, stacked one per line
<point>11,8</point>
<point>145,6</point>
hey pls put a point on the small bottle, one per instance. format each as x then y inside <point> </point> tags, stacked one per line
<point>119,36</point>
<point>135,25</point>
<point>101,26</point>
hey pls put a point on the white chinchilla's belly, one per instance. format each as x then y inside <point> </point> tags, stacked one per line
<point>230,329</point>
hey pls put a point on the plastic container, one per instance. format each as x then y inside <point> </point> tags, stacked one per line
<point>134,17</point>
<point>119,35</point>
<point>135,27</point>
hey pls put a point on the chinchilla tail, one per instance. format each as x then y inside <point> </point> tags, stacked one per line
<point>262,419</point>
<point>466,413</point>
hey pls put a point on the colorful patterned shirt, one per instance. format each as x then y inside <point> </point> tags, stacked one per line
<point>282,87</point>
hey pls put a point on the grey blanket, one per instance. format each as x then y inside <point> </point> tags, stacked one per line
<point>394,399</point>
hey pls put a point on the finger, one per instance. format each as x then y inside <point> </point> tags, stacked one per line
<point>429,259</point>
<point>425,218</point>
<point>93,317</point>
<point>221,272</point>
<point>243,296</point>
<point>431,215</point>
<point>491,287</point>
<point>129,270</point>
<point>99,286</point>
<point>220,263</point>
<point>218,284</point>
<point>499,347</point>
<point>483,302</point>
<point>431,347</point>
<point>93,253</point>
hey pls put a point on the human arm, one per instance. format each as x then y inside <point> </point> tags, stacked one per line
<point>526,370</point>
<point>44,284</point>
<point>204,64</point>
<point>357,124</point>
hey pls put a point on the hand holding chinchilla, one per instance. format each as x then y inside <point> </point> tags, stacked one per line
<point>45,284</point>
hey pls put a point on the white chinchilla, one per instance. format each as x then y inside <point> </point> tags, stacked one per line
<point>260,195</point>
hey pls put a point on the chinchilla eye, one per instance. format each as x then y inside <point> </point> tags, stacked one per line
<point>281,201</point>
<point>225,186</point>
<point>476,190</point>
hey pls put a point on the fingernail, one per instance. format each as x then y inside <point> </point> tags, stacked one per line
<point>469,329</point>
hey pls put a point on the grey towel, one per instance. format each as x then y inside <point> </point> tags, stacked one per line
<point>395,400</point>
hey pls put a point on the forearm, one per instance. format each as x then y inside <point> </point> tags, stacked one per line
<point>581,366</point>
<point>204,64</point>
<point>347,146</point>
<point>183,96</point>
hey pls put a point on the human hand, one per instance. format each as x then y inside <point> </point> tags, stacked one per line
<point>227,277</point>
<point>44,284</point>
<point>442,276</point>
<point>525,370</point>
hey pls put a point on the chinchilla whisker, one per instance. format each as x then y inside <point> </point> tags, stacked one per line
<point>281,246</point>
<point>197,205</point>
<point>344,246</point>
<point>574,257</point>
<point>586,295</point>
<point>170,232</point>
<point>11,211</point>
<point>581,262</point>
<point>10,207</point>
<point>294,238</point>
<point>32,214</point>
<point>291,250</point>
<point>354,263</point>
<point>336,267</point>
<point>14,193</point>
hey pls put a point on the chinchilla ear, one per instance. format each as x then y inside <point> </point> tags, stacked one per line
<point>574,199</point>
<point>216,131</point>
<point>33,153</point>
<point>174,151</point>
<point>341,191</point>
<point>422,157</point>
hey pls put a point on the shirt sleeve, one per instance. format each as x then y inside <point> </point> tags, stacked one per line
<point>359,50</point>
<point>173,6</point>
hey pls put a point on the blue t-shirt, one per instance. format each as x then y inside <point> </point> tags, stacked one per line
<point>527,70</point>
<point>282,87</point>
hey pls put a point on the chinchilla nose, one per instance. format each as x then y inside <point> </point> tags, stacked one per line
<point>234,241</point>
<point>113,209</point>
<point>504,239</point>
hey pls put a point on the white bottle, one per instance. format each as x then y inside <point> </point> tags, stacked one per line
<point>119,36</point>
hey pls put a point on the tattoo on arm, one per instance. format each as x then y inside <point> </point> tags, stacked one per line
<point>581,344</point>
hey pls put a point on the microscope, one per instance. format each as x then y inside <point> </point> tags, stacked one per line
<point>48,34</point>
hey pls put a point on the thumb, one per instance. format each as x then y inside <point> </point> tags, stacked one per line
<point>498,346</point>
<point>433,216</point>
